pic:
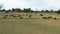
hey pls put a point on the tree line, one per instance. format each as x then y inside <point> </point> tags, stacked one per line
<point>27,10</point>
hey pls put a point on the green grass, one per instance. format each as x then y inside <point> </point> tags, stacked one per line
<point>26,26</point>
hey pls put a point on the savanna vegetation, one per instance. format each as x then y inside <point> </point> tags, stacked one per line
<point>27,21</point>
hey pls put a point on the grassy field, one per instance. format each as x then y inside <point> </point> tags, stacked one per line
<point>30,26</point>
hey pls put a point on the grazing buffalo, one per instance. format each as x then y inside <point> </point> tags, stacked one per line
<point>5,16</point>
<point>49,17</point>
<point>41,14</point>
<point>45,17</point>
<point>21,17</point>
<point>54,18</point>
<point>30,15</point>
<point>27,14</point>
<point>14,16</point>
<point>11,15</point>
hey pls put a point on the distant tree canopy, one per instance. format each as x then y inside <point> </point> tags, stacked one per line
<point>3,9</point>
<point>51,10</point>
<point>28,10</point>
<point>13,9</point>
<point>58,12</point>
<point>16,10</point>
<point>46,10</point>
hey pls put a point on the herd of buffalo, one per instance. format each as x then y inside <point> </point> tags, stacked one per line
<point>30,15</point>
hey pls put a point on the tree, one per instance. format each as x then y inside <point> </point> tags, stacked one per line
<point>47,11</point>
<point>3,10</point>
<point>9,10</point>
<point>51,11</point>
<point>58,12</point>
<point>27,10</point>
<point>17,10</point>
<point>42,10</point>
<point>13,10</point>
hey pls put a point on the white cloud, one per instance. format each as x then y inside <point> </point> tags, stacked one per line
<point>40,4</point>
<point>9,4</point>
<point>50,2</point>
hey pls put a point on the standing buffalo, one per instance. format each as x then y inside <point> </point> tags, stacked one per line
<point>41,14</point>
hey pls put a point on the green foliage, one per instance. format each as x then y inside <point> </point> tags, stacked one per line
<point>47,10</point>
<point>27,26</point>
<point>13,10</point>
<point>42,11</point>
<point>3,10</point>
<point>7,11</point>
<point>51,10</point>
<point>27,10</point>
<point>58,12</point>
<point>17,10</point>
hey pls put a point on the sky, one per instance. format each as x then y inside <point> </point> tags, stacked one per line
<point>33,4</point>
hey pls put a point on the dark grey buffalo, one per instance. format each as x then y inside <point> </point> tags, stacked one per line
<point>49,17</point>
<point>41,14</point>
<point>30,15</point>
<point>19,15</point>
<point>5,16</point>
<point>45,17</point>
<point>54,18</point>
